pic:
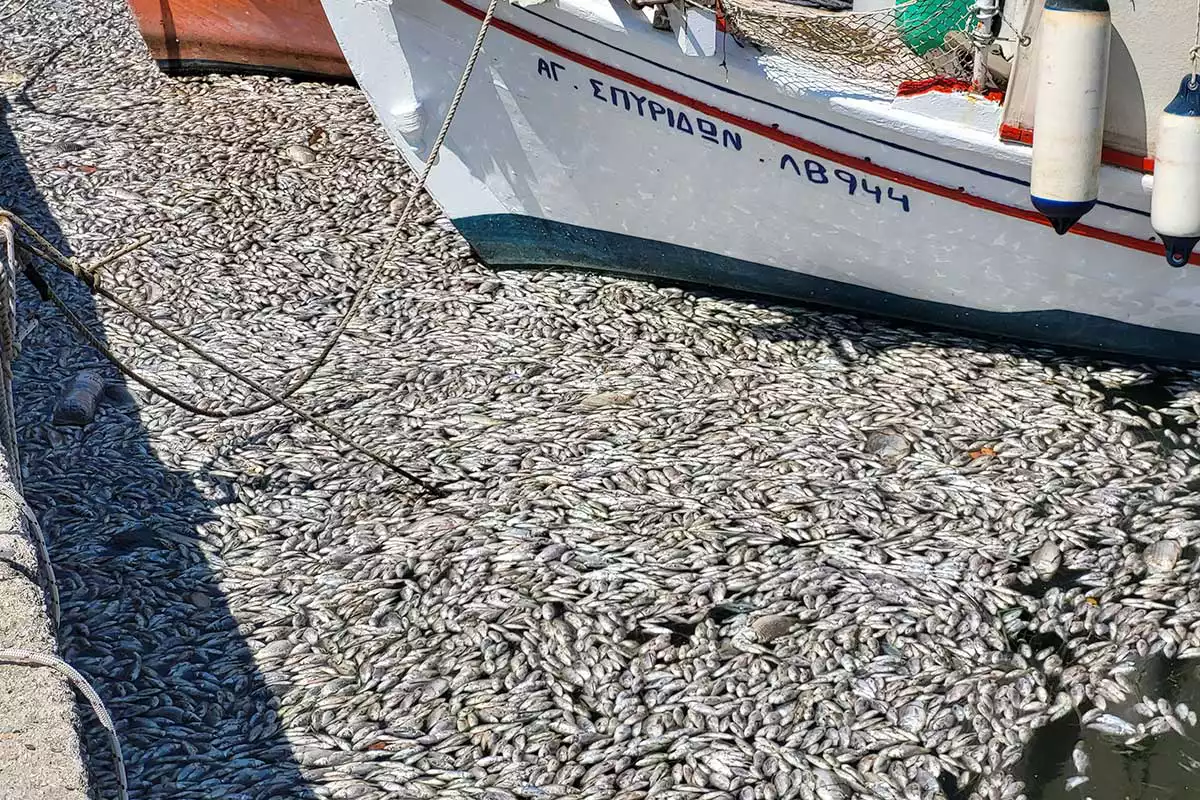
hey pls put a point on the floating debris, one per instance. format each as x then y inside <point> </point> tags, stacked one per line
<point>1046,560</point>
<point>301,154</point>
<point>1162,555</point>
<point>79,399</point>
<point>769,627</point>
<point>890,447</point>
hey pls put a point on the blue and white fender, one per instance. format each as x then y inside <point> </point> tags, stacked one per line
<point>1068,126</point>
<point>1175,201</point>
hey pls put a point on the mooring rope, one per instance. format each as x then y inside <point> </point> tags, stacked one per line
<point>8,433</point>
<point>1194,53</point>
<point>31,659</point>
<point>9,344</point>
<point>45,565</point>
<point>41,547</point>
<point>54,256</point>
<point>10,10</point>
<point>89,274</point>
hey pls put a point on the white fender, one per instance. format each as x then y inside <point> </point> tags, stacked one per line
<point>1175,202</point>
<point>1068,125</point>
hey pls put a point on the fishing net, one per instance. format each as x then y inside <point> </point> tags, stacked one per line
<point>913,40</point>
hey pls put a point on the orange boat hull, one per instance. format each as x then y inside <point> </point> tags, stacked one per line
<point>277,36</point>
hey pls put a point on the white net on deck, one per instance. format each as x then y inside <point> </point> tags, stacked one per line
<point>914,40</point>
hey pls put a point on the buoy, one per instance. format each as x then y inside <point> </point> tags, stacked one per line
<point>1068,123</point>
<point>1175,201</point>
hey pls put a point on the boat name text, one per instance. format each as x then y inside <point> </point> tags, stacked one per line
<point>674,117</point>
<point>677,119</point>
<point>818,173</point>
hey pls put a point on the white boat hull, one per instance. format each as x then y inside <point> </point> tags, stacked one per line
<point>588,139</point>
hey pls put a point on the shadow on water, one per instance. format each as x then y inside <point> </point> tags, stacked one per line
<point>878,322</point>
<point>143,615</point>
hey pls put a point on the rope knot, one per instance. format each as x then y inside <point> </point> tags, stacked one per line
<point>90,278</point>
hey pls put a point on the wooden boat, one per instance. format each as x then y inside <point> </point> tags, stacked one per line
<point>290,37</point>
<point>856,159</point>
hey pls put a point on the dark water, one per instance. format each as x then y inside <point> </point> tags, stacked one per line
<point>1158,768</point>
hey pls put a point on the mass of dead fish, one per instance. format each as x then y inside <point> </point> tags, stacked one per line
<point>691,546</point>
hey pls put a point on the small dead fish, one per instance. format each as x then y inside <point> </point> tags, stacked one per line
<point>1079,757</point>
<point>604,399</point>
<point>1112,725</point>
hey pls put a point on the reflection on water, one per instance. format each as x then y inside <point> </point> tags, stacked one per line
<point>1157,768</point>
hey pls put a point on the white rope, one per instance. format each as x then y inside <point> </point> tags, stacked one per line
<point>43,551</point>
<point>1195,51</point>
<point>423,176</point>
<point>31,659</point>
<point>441,137</point>
<point>39,537</point>
<point>6,14</point>
<point>8,345</point>
<point>51,254</point>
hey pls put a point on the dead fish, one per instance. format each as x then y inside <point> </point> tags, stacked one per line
<point>1076,782</point>
<point>1112,725</point>
<point>1046,560</point>
<point>1079,757</point>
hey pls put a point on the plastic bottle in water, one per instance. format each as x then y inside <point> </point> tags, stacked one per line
<point>77,405</point>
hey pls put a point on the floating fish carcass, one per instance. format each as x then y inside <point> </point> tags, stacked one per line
<point>875,158</point>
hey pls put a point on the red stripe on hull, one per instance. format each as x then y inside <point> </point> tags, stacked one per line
<point>1115,158</point>
<point>812,148</point>
<point>943,85</point>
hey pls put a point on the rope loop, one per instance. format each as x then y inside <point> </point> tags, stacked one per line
<point>1194,53</point>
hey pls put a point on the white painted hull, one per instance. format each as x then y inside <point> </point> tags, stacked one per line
<point>587,162</point>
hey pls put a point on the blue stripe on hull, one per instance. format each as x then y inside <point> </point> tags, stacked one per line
<point>521,241</point>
